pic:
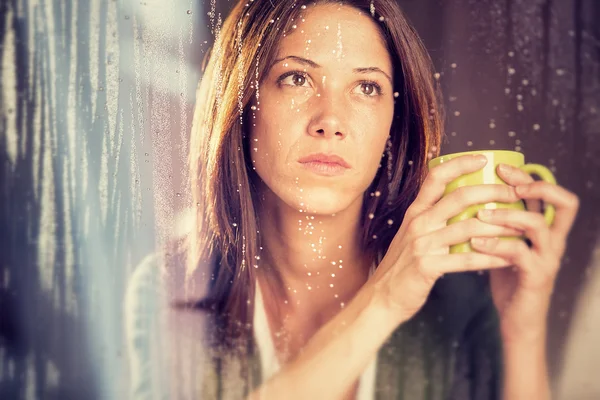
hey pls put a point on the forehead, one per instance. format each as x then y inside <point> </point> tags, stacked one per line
<point>327,32</point>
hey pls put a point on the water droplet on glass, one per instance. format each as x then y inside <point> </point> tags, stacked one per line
<point>390,221</point>
<point>511,71</point>
<point>453,65</point>
<point>436,75</point>
<point>525,82</point>
<point>371,216</point>
<point>377,193</point>
<point>469,143</point>
<point>189,12</point>
<point>512,133</point>
<point>492,142</point>
<point>560,72</point>
<point>396,94</point>
<point>234,224</point>
<point>381,19</point>
<point>536,127</point>
<point>456,113</point>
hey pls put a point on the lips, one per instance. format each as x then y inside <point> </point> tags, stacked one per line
<point>325,164</point>
<point>325,159</point>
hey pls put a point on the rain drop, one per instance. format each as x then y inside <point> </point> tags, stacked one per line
<point>189,12</point>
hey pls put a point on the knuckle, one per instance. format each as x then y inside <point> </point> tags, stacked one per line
<point>425,271</point>
<point>472,226</point>
<point>421,245</point>
<point>506,192</point>
<point>573,201</point>
<point>462,194</point>
<point>435,174</point>
<point>415,226</point>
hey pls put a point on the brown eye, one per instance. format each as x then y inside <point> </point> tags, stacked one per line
<point>298,80</point>
<point>368,89</point>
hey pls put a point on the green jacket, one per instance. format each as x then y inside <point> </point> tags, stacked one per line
<point>449,350</point>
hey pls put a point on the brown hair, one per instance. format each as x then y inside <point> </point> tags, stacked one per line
<point>225,226</point>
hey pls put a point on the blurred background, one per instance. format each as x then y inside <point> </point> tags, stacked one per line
<point>96,100</point>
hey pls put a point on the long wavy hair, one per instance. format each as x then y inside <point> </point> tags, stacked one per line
<point>222,180</point>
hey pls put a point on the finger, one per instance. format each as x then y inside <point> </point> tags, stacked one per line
<point>461,232</point>
<point>532,224</point>
<point>515,176</point>
<point>513,250</point>
<point>565,202</point>
<point>438,177</point>
<point>463,197</point>
<point>437,265</point>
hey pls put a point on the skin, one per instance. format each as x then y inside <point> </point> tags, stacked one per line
<point>330,115</point>
<point>336,107</point>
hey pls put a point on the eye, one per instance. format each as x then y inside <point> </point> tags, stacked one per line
<point>294,78</point>
<point>370,89</point>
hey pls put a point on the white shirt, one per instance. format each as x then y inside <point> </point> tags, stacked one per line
<point>268,356</point>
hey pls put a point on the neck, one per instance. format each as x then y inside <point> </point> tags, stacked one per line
<point>310,263</point>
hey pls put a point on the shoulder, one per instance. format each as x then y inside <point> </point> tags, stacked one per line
<point>165,343</point>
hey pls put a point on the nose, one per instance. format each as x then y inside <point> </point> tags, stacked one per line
<point>327,121</point>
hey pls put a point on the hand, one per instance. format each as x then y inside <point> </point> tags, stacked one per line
<point>419,253</point>
<point>522,293</point>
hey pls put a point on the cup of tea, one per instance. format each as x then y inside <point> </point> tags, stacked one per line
<point>488,175</point>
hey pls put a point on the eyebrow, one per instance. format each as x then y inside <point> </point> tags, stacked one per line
<point>312,64</point>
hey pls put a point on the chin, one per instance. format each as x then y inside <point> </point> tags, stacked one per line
<point>322,201</point>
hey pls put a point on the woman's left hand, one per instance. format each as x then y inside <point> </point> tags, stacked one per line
<point>522,293</point>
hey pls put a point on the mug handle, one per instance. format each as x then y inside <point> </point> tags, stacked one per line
<point>546,175</point>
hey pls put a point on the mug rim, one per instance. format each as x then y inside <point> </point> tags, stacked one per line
<point>463,153</point>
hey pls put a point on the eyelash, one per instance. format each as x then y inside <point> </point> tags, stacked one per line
<point>377,87</point>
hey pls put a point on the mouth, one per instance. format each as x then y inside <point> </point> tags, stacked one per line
<point>325,164</point>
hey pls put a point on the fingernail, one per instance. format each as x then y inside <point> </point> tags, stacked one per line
<point>478,241</point>
<point>504,168</point>
<point>480,160</point>
<point>521,189</point>
<point>483,242</point>
<point>484,214</point>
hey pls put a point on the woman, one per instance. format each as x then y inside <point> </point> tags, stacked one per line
<point>324,234</point>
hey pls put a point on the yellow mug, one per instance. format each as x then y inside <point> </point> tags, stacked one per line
<point>488,175</point>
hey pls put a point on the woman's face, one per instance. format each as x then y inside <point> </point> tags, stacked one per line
<point>325,112</point>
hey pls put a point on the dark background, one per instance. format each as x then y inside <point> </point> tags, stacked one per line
<point>96,103</point>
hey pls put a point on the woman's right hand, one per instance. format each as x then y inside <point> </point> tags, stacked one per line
<point>419,253</point>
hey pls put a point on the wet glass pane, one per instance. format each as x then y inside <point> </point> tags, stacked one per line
<point>97,110</point>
